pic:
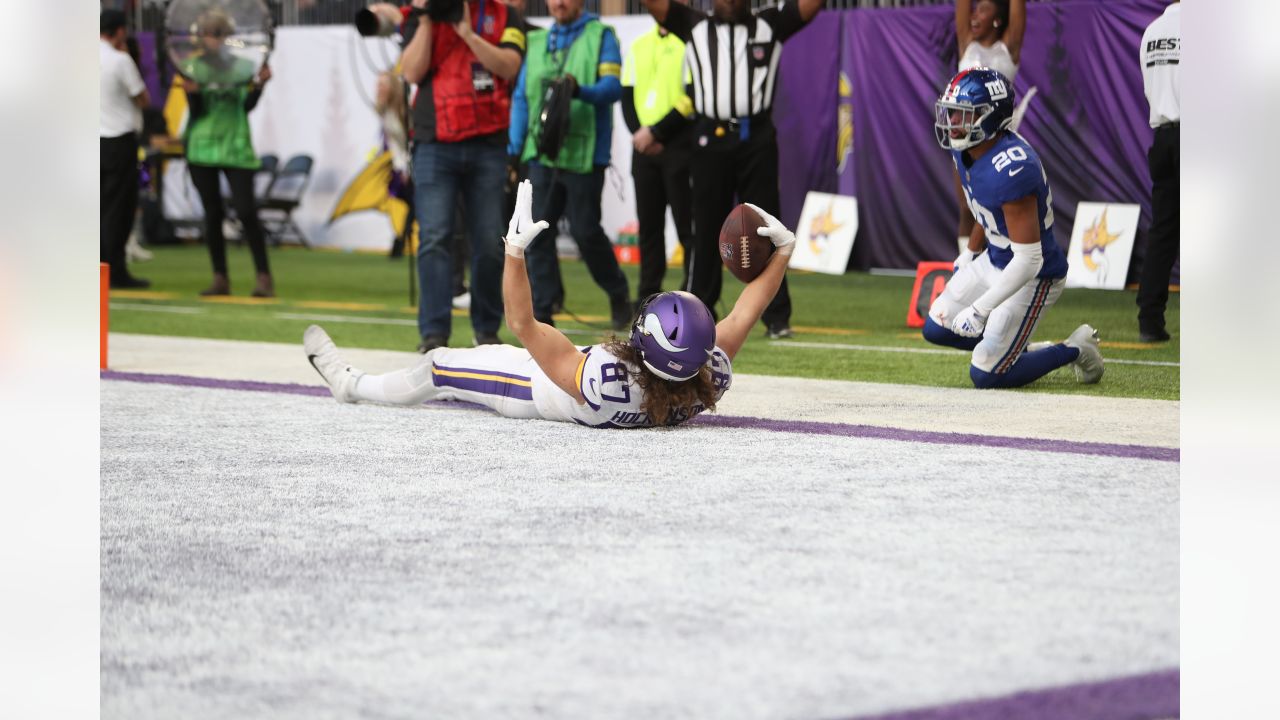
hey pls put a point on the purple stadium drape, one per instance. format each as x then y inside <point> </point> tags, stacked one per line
<point>1088,120</point>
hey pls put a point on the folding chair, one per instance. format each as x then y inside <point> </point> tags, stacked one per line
<point>282,197</point>
<point>263,178</point>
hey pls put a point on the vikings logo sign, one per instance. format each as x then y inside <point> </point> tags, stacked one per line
<point>844,126</point>
<point>1096,240</point>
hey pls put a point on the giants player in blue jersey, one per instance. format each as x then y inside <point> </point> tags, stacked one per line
<point>676,363</point>
<point>995,298</point>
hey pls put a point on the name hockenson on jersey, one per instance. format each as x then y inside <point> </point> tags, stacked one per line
<point>615,400</point>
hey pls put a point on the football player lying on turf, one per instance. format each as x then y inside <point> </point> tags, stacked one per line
<point>995,298</point>
<point>676,363</point>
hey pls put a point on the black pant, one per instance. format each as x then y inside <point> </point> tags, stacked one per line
<point>662,180</point>
<point>1164,236</point>
<point>556,192</point>
<point>749,170</point>
<point>205,179</point>
<point>118,175</point>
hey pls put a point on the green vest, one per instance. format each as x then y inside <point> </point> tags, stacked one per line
<point>583,62</point>
<point>220,136</point>
<point>655,70</point>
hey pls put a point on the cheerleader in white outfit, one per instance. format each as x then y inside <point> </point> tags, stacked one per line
<point>988,34</point>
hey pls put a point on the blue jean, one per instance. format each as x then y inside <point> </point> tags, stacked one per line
<point>477,170</point>
<point>578,194</point>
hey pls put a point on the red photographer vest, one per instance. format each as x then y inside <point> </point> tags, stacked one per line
<point>469,100</point>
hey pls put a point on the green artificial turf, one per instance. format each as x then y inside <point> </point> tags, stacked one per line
<point>368,296</point>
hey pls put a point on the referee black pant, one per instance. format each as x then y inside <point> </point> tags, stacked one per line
<point>1163,238</point>
<point>118,175</point>
<point>662,180</point>
<point>748,170</point>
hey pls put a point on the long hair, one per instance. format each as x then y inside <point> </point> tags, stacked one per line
<point>663,397</point>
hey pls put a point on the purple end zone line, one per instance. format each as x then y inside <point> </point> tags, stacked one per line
<point>1141,452</point>
<point>1153,696</point>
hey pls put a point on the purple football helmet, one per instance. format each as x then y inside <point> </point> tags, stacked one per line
<point>675,334</point>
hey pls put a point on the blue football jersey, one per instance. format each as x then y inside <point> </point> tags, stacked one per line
<point>1009,171</point>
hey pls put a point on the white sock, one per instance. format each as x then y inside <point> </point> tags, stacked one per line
<point>410,386</point>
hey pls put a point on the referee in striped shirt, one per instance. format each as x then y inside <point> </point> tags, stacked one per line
<point>732,56</point>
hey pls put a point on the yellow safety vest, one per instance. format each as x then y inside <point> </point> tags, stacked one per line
<point>655,69</point>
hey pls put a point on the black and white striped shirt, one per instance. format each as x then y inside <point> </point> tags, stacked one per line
<point>733,66</point>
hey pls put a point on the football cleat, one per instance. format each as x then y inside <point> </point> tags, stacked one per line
<point>323,356</point>
<point>1088,366</point>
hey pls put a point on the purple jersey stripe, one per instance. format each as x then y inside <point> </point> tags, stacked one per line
<point>481,371</point>
<point>495,386</point>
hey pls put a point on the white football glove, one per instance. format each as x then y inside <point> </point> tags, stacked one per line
<point>968,323</point>
<point>964,259</point>
<point>784,241</point>
<point>522,229</point>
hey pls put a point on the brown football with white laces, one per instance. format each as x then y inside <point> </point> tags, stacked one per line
<point>743,250</point>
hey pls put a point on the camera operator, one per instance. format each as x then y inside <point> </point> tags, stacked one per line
<point>562,125</point>
<point>462,56</point>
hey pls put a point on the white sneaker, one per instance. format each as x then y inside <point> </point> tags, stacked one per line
<point>1088,367</point>
<point>462,302</point>
<point>134,252</point>
<point>323,356</point>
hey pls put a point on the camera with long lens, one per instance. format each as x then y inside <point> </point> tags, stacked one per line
<point>553,121</point>
<point>384,18</point>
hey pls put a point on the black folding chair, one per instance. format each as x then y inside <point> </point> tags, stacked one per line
<point>265,175</point>
<point>282,197</point>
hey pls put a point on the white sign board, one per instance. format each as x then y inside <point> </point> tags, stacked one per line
<point>824,237</point>
<point>1101,243</point>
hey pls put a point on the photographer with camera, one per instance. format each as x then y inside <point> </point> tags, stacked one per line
<point>562,125</point>
<point>462,56</point>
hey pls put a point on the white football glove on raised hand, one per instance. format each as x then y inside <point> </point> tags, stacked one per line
<point>522,229</point>
<point>968,323</point>
<point>784,241</point>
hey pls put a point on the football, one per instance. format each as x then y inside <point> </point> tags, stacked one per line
<point>744,251</point>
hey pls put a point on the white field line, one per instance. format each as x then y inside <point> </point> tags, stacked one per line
<point>934,351</point>
<point>384,321</point>
<point>158,308</point>
<point>569,331</point>
<point>360,320</point>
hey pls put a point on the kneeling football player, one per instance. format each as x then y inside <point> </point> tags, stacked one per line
<point>676,363</point>
<point>1013,270</point>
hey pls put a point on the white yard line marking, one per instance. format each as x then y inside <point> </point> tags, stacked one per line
<point>360,320</point>
<point>933,351</point>
<point>388,321</point>
<point>159,308</point>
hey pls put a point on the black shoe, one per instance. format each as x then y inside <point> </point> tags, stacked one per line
<point>431,342</point>
<point>1153,335</point>
<point>779,332</point>
<point>487,339</point>
<point>129,282</point>
<point>620,313</point>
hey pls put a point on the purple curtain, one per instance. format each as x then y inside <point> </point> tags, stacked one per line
<point>150,68</point>
<point>807,126</point>
<point>1088,120</point>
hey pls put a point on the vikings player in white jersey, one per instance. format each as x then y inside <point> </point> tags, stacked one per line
<point>1013,269</point>
<point>676,363</point>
